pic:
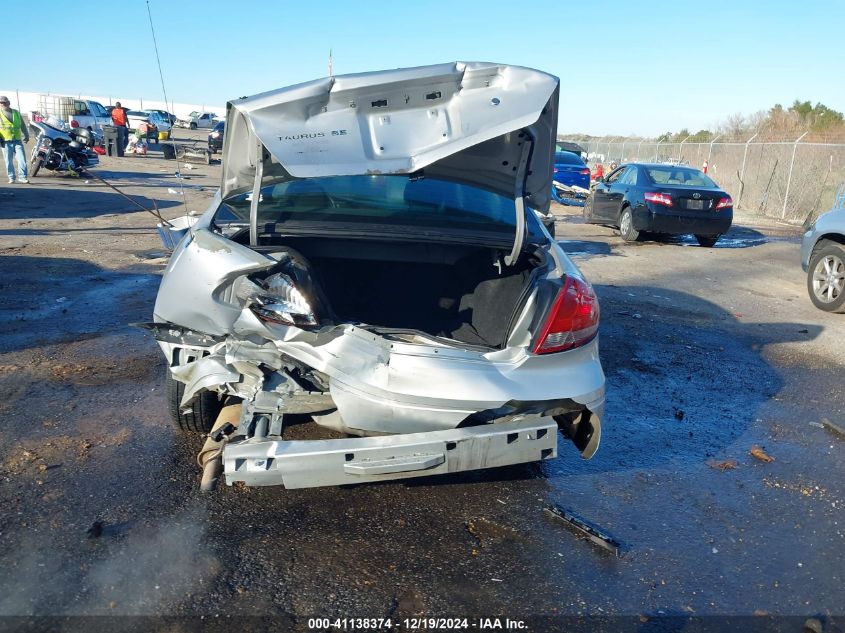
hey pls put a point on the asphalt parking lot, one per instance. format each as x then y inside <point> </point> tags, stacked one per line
<point>708,354</point>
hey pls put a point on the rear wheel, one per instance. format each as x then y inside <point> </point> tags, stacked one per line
<point>202,410</point>
<point>626,226</point>
<point>707,241</point>
<point>826,277</point>
<point>588,210</point>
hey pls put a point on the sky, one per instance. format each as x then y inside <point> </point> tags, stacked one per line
<point>626,66</point>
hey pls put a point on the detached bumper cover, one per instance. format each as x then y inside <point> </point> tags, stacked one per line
<point>312,463</point>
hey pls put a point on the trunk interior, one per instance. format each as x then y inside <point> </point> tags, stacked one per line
<point>461,292</point>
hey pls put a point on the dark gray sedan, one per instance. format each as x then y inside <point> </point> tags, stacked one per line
<point>662,199</point>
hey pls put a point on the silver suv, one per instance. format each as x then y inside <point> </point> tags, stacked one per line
<point>823,257</point>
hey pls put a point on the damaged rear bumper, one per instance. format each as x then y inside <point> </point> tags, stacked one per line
<point>312,463</point>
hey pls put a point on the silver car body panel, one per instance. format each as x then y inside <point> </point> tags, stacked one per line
<point>378,384</point>
<point>306,464</point>
<point>829,225</point>
<point>414,400</point>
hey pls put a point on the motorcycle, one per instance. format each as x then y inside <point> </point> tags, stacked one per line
<point>62,149</point>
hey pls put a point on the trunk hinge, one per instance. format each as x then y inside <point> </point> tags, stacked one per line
<point>256,196</point>
<point>519,198</point>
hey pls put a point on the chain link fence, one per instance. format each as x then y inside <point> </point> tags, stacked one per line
<point>787,180</point>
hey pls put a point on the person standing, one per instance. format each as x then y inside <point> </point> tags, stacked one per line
<point>121,122</point>
<point>13,135</point>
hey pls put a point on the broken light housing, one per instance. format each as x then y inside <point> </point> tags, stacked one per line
<point>573,320</point>
<point>280,301</point>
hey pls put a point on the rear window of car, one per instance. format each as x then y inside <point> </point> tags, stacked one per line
<point>683,176</point>
<point>383,200</point>
<point>568,158</point>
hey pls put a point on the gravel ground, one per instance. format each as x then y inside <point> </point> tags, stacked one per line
<point>708,353</point>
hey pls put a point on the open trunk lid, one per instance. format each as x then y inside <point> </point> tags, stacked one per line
<point>487,125</point>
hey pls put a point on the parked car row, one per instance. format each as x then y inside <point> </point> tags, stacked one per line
<point>668,199</point>
<point>197,120</point>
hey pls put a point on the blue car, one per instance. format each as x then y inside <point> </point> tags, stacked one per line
<point>569,170</point>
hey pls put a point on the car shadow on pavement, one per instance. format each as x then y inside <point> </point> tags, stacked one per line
<point>34,202</point>
<point>47,300</point>
<point>586,247</point>
<point>737,237</point>
<point>685,378</point>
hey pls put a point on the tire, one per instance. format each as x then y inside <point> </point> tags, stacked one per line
<point>193,126</point>
<point>204,408</point>
<point>826,277</point>
<point>35,166</point>
<point>708,241</point>
<point>587,212</point>
<point>626,226</point>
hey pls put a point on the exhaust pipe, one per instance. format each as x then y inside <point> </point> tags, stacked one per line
<point>210,457</point>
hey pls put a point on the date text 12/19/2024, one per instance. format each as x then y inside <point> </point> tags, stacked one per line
<point>416,624</point>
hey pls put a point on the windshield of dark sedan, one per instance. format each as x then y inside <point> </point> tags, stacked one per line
<point>567,158</point>
<point>382,200</point>
<point>683,176</point>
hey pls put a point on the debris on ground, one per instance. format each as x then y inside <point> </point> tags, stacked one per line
<point>722,464</point>
<point>679,414</point>
<point>592,532</point>
<point>833,427</point>
<point>804,489</point>
<point>758,453</point>
<point>96,529</point>
<point>812,625</point>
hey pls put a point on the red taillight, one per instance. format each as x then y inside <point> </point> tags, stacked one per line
<point>584,172</point>
<point>724,203</point>
<point>659,198</point>
<point>74,123</point>
<point>573,320</point>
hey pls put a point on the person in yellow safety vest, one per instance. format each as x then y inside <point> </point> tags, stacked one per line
<point>12,131</point>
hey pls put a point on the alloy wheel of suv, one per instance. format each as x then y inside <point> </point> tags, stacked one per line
<point>826,277</point>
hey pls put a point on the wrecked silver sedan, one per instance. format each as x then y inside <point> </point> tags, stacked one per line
<point>372,260</point>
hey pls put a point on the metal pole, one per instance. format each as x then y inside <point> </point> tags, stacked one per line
<point>744,157</point>
<point>638,149</point>
<point>657,153</point>
<point>710,151</point>
<point>681,148</point>
<point>789,177</point>
<point>622,153</point>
